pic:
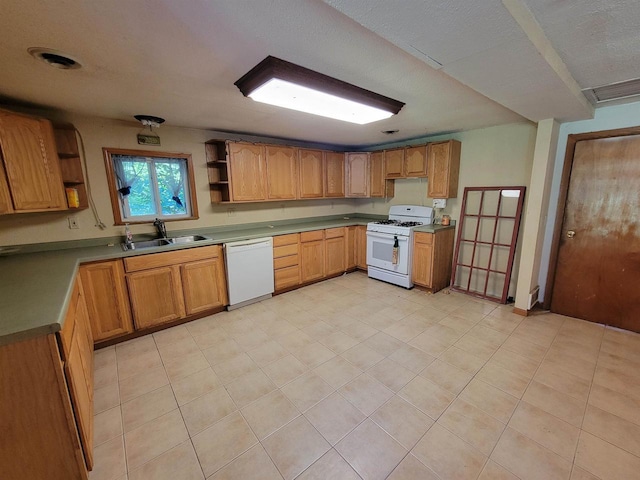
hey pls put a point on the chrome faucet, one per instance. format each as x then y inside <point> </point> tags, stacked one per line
<point>160,227</point>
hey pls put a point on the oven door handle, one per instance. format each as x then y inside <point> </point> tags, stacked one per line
<point>387,236</point>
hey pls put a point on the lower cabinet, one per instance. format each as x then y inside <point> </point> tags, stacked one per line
<point>46,401</point>
<point>335,247</point>
<point>312,256</point>
<point>286,261</point>
<point>156,296</point>
<point>361,247</point>
<point>204,285</point>
<point>350,234</point>
<point>432,258</point>
<point>107,299</point>
<point>168,286</point>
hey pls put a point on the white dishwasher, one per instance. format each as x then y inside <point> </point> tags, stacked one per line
<point>249,271</point>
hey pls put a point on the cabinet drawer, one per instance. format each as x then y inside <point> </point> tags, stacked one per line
<point>166,259</point>
<point>290,239</point>
<point>286,277</point>
<point>334,232</point>
<point>283,262</point>
<point>285,251</point>
<point>424,238</point>
<point>312,236</point>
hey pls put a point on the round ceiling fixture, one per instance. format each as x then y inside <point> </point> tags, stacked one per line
<point>149,120</point>
<point>390,132</point>
<point>54,58</point>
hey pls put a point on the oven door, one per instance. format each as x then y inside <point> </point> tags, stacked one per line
<point>380,252</point>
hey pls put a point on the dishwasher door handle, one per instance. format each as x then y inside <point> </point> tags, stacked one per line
<point>249,244</point>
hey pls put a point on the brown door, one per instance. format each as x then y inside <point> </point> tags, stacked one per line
<point>598,268</point>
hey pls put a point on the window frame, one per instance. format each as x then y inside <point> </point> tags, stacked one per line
<point>116,198</point>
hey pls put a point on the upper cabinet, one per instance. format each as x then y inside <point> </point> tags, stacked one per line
<point>30,177</point>
<point>247,172</point>
<point>311,173</point>
<point>282,172</point>
<point>394,163</point>
<point>415,161</point>
<point>334,174</point>
<point>379,186</point>
<point>357,170</point>
<point>444,169</point>
<point>408,162</point>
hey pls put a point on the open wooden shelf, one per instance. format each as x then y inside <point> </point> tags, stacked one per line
<point>70,162</point>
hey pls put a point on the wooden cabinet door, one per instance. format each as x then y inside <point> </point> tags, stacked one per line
<point>107,299</point>
<point>81,399</point>
<point>394,163</point>
<point>357,167</point>
<point>282,172</point>
<point>334,255</point>
<point>204,285</point>
<point>415,161</point>
<point>31,163</point>
<point>422,262</point>
<point>247,172</point>
<point>444,169</point>
<point>361,247</point>
<point>6,205</point>
<point>350,247</point>
<point>156,296</point>
<point>376,167</point>
<point>312,262</point>
<point>334,174</point>
<point>79,373</point>
<point>311,178</point>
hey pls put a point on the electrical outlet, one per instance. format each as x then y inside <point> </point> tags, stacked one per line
<point>231,212</point>
<point>73,222</point>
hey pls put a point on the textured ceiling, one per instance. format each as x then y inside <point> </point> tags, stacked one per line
<point>599,40</point>
<point>179,60</point>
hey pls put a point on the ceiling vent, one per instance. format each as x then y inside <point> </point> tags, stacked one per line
<point>613,91</point>
<point>54,58</point>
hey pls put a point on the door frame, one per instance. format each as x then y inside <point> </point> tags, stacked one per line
<point>572,140</point>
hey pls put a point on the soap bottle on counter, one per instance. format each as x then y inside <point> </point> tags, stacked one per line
<point>128,236</point>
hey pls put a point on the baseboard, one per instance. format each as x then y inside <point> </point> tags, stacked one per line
<point>520,311</point>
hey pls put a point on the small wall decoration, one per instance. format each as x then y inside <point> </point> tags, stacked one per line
<point>149,138</point>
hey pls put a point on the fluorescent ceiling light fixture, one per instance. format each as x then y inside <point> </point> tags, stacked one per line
<point>287,85</point>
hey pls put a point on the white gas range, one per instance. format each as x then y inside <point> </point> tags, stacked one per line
<point>383,235</point>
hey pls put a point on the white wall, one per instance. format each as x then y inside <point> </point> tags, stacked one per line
<point>98,133</point>
<point>606,118</point>
<point>494,156</point>
<point>491,156</point>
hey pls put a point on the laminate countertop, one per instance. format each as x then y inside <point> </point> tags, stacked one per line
<point>36,283</point>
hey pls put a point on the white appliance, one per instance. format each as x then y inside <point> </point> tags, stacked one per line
<point>382,236</point>
<point>249,271</point>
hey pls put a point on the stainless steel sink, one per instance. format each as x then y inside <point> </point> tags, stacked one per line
<point>163,242</point>
<point>160,242</point>
<point>187,239</point>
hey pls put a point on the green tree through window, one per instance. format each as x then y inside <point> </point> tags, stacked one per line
<point>150,187</point>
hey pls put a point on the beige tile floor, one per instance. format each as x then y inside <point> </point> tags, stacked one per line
<point>353,378</point>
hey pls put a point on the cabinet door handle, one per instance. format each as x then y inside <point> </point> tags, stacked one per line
<point>571,234</point>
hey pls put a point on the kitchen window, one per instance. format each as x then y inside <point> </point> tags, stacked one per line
<point>148,185</point>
